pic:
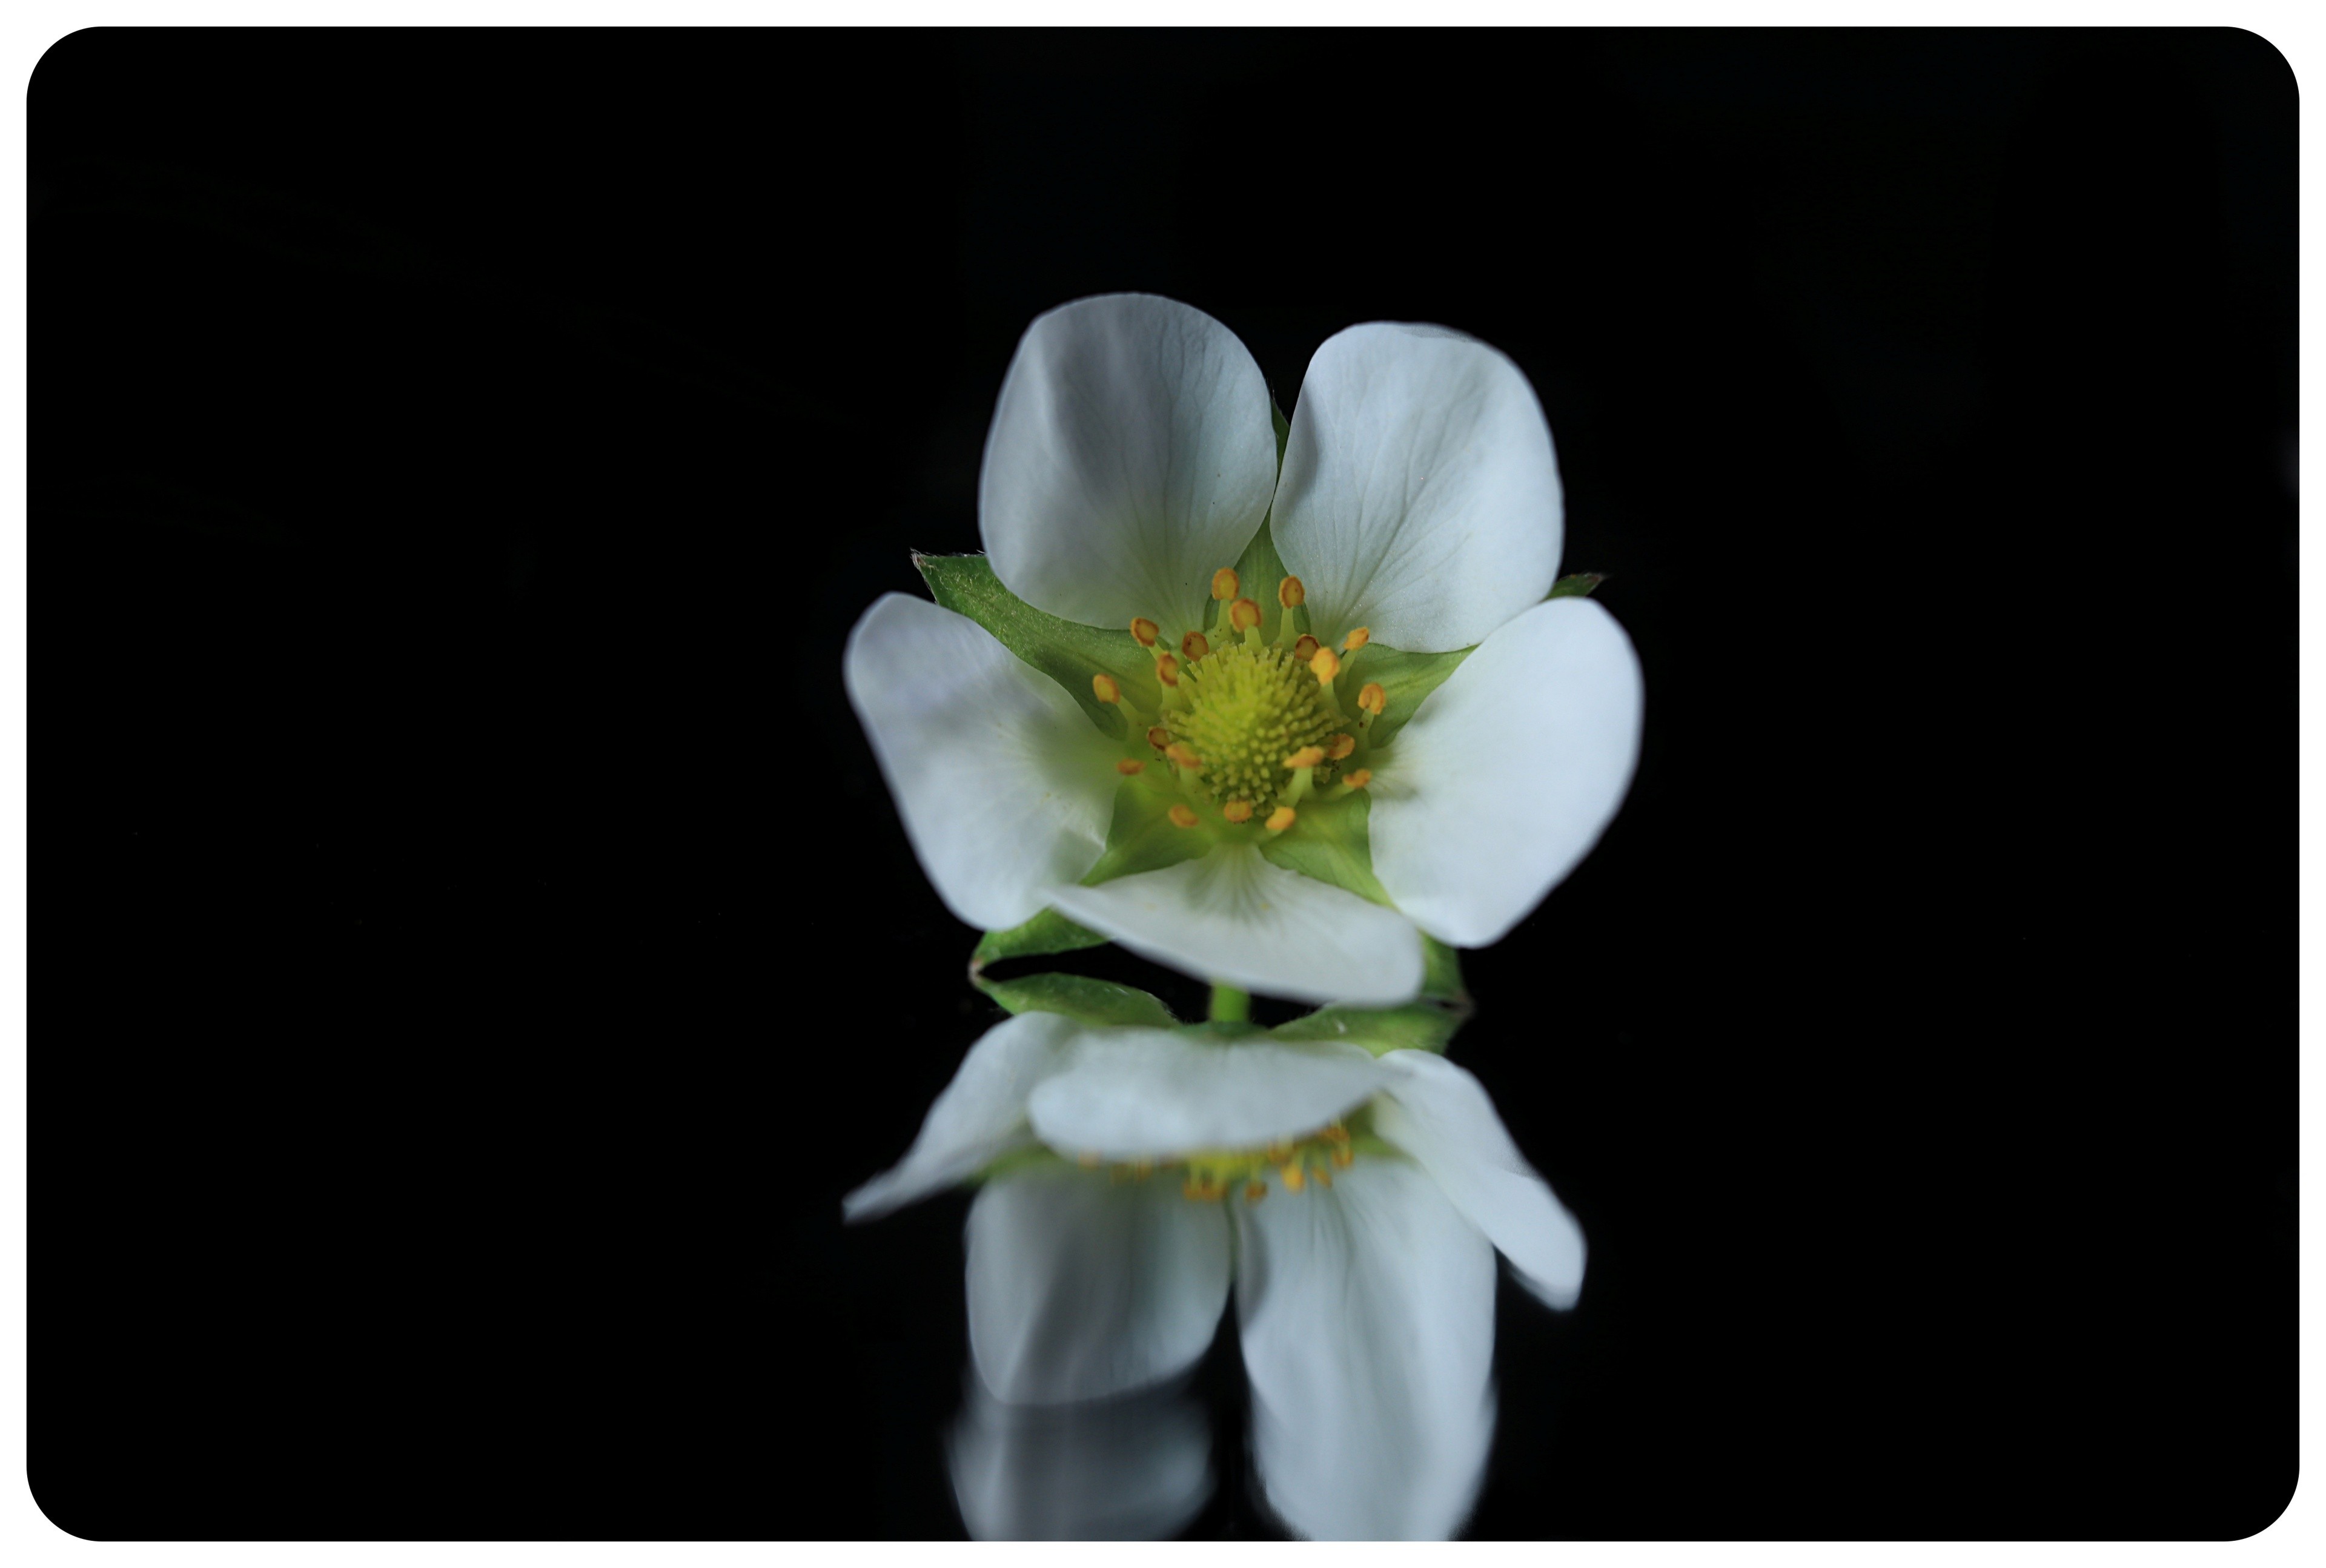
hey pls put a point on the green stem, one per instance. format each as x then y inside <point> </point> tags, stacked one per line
<point>1230,1005</point>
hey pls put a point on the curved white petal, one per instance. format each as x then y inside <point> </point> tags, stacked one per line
<point>1081,1286</point>
<point>1444,1119</point>
<point>1231,916</point>
<point>1508,773</point>
<point>979,1118</point>
<point>1005,786</point>
<point>1420,495</point>
<point>1134,1094</point>
<point>1134,1469</point>
<point>1368,1317</point>
<point>1131,457</point>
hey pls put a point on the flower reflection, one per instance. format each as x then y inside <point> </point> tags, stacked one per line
<point>1136,1468</point>
<point>1354,1202</point>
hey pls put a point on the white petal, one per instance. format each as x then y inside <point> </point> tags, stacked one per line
<point>1508,773</point>
<point>1368,1315</point>
<point>1134,1094</point>
<point>979,1118</point>
<point>1231,916</point>
<point>1081,1286</point>
<point>1134,1469</point>
<point>1444,1119</point>
<point>1131,457</point>
<point>1006,788</point>
<point>1420,495</point>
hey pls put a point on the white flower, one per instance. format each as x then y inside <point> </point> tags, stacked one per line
<point>1355,1202</point>
<point>1131,459</point>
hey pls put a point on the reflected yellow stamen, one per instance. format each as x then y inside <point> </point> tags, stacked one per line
<point>1144,632</point>
<point>1107,688</point>
<point>1166,669</point>
<point>1290,594</point>
<point>1193,646</point>
<point>1179,752</point>
<point>1131,767</point>
<point>1182,816</point>
<point>1295,1178</point>
<point>1237,810</point>
<point>1158,736</point>
<point>1243,614</point>
<point>1087,1161</point>
<point>1337,1132</point>
<point>1373,698</point>
<point>1282,818</point>
<point>1223,583</point>
<point>1307,756</point>
<point>1355,640</point>
<point>1254,1191</point>
<point>1326,665</point>
<point>1344,1156</point>
<point>1341,746</point>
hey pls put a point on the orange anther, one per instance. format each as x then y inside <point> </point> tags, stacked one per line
<point>1223,583</point>
<point>1373,698</point>
<point>1307,756</point>
<point>1359,778</point>
<point>1290,593</point>
<point>1282,818</point>
<point>1144,632</point>
<point>1326,664</point>
<point>1130,767</point>
<point>1193,646</point>
<point>1340,746</point>
<point>1305,648</point>
<point>1243,614</point>
<point>1180,752</point>
<point>1355,640</point>
<point>1158,736</point>
<point>1107,688</point>
<point>1182,817</point>
<point>1237,810</point>
<point>1166,669</point>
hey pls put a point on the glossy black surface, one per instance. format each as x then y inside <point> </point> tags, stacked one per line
<point>477,951</point>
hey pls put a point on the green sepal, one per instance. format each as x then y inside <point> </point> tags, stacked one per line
<point>1416,1026</point>
<point>1048,933</point>
<point>1441,973</point>
<point>1405,679</point>
<point>1259,573</point>
<point>1067,652</point>
<point>1082,998</point>
<point>1025,1158</point>
<point>1283,431</point>
<point>1333,845</point>
<point>1575,582</point>
<point>1142,836</point>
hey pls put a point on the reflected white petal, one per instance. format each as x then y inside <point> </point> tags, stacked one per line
<point>1508,773</point>
<point>1132,1094</point>
<point>1081,1286</point>
<point>979,1118</point>
<point>1368,1321</point>
<point>1005,788</point>
<point>1130,456</point>
<point>1420,495</point>
<point>1444,1118</point>
<point>1134,1468</point>
<point>1232,916</point>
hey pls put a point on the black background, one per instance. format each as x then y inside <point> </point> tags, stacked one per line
<point>477,951</point>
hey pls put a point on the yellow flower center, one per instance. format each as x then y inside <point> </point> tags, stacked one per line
<point>1248,709</point>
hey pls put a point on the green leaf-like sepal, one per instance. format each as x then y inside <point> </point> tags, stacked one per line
<point>1416,1026</point>
<point>1080,998</point>
<point>1067,652</point>
<point>1575,582</point>
<point>1333,846</point>
<point>1048,933</point>
<point>1405,679</point>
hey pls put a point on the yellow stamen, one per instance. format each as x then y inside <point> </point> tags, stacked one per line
<point>1088,1162</point>
<point>1243,614</point>
<point>1290,594</point>
<point>1166,669</point>
<point>1295,1178</point>
<point>1323,1177</point>
<point>1282,818</point>
<point>1336,1132</point>
<point>1144,632</point>
<point>1237,810</point>
<point>1307,756</point>
<point>1326,665</point>
<point>1131,767</point>
<point>1304,647</point>
<point>1373,698</point>
<point>1254,1191</point>
<point>1278,1153</point>
<point>1343,1155</point>
<point>1355,640</point>
<point>1223,583</point>
<point>1359,779</point>
<point>1341,746</point>
<point>1179,752</point>
<point>1182,816</point>
<point>1158,736</point>
<point>1108,689</point>
<point>1193,646</point>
